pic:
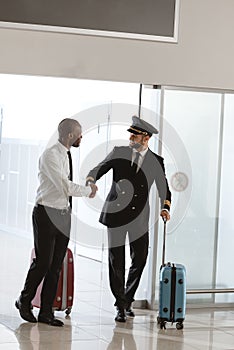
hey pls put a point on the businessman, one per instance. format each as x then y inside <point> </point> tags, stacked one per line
<point>52,222</point>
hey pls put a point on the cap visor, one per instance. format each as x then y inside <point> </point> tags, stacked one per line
<point>133,131</point>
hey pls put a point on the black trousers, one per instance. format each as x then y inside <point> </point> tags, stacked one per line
<point>124,294</point>
<point>51,228</point>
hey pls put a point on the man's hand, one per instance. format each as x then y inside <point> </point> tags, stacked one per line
<point>165,215</point>
<point>94,189</point>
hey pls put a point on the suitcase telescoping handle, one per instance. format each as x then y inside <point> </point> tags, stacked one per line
<point>164,240</point>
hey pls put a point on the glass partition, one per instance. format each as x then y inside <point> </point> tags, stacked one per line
<point>191,144</point>
<point>225,243</point>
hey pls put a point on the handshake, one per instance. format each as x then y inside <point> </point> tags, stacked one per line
<point>94,189</point>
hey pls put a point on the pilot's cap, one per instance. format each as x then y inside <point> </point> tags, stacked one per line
<point>141,127</point>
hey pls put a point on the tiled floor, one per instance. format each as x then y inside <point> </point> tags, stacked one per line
<point>91,325</point>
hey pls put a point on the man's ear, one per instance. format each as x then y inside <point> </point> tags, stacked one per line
<point>147,138</point>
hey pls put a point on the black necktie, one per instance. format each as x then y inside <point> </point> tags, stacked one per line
<point>71,174</point>
<point>135,163</point>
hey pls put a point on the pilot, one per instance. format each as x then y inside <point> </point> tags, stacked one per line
<point>126,209</point>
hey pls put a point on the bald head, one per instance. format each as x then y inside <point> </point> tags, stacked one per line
<point>67,126</point>
<point>70,132</point>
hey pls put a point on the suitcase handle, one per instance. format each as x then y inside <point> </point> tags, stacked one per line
<point>164,240</point>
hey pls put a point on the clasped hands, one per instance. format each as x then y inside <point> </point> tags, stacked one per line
<point>94,189</point>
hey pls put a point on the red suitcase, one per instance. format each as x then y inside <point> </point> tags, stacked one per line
<point>65,291</point>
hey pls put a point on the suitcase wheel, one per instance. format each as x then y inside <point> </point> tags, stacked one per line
<point>179,325</point>
<point>163,324</point>
<point>68,311</point>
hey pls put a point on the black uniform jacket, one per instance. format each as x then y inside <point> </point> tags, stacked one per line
<point>127,203</point>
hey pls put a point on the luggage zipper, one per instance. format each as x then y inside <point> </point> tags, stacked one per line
<point>173,291</point>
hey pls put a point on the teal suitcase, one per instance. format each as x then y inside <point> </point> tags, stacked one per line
<point>172,292</point>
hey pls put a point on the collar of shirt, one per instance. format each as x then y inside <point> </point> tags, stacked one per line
<point>141,158</point>
<point>62,147</point>
<point>142,153</point>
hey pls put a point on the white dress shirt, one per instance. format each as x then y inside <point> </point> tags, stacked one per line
<point>55,187</point>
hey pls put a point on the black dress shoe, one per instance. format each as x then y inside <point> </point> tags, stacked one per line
<point>130,312</point>
<point>121,316</point>
<point>49,319</point>
<point>25,311</point>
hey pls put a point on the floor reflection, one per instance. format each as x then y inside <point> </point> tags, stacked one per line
<point>170,339</point>
<point>40,337</point>
<point>122,339</point>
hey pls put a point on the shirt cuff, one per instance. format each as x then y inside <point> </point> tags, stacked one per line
<point>89,180</point>
<point>88,190</point>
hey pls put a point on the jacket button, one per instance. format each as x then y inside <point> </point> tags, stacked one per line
<point>135,195</point>
<point>142,185</point>
<point>133,208</point>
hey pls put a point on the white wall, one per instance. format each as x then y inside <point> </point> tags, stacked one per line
<point>203,56</point>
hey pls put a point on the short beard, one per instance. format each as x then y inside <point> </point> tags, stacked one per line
<point>75,145</point>
<point>136,145</point>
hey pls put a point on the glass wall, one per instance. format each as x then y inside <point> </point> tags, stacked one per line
<point>197,147</point>
<point>225,243</point>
